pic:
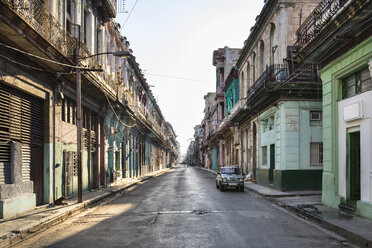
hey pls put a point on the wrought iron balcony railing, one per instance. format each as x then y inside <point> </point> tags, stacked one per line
<point>317,20</point>
<point>35,14</point>
<point>279,75</point>
<point>104,78</point>
<point>107,8</point>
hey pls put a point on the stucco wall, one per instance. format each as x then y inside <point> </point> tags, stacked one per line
<point>291,134</point>
<point>283,20</point>
<point>331,76</point>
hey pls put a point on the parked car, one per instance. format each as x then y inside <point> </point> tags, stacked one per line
<point>230,177</point>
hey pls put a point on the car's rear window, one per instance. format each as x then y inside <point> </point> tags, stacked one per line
<point>230,171</point>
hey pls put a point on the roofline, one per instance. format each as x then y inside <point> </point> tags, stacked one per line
<point>262,18</point>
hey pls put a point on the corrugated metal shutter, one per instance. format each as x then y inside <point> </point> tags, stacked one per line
<point>4,137</point>
<point>21,120</point>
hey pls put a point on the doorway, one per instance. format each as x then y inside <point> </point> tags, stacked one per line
<point>254,152</point>
<point>353,175</point>
<point>272,163</point>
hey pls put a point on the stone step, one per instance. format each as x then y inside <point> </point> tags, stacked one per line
<point>347,208</point>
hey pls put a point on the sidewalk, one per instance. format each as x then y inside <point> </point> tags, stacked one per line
<point>15,229</point>
<point>307,204</point>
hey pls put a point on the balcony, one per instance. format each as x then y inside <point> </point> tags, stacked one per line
<point>101,79</point>
<point>227,121</point>
<point>43,22</point>
<point>280,81</point>
<point>107,9</point>
<point>330,26</point>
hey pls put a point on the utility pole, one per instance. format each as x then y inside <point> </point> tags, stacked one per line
<point>78,123</point>
<point>78,106</point>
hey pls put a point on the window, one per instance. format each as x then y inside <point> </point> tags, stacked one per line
<point>70,171</point>
<point>222,110</point>
<point>85,28</point>
<point>99,44</point>
<point>315,115</point>
<point>69,161</point>
<point>271,122</point>
<point>316,153</point>
<point>68,16</point>
<point>315,118</point>
<point>68,111</point>
<point>268,124</point>
<point>230,170</point>
<point>356,83</point>
<point>272,32</point>
<point>262,57</point>
<point>264,155</point>
<point>63,110</point>
<point>264,125</point>
<point>248,79</point>
<point>117,159</point>
<point>73,112</point>
<point>222,71</point>
<point>253,68</point>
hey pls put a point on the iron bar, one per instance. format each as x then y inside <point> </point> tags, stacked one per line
<point>35,14</point>
<point>317,20</point>
<point>280,74</point>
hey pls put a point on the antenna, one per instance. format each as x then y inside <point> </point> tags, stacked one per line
<point>120,6</point>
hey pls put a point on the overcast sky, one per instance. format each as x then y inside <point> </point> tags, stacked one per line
<point>176,39</point>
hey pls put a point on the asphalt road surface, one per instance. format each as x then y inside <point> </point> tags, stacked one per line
<point>183,208</point>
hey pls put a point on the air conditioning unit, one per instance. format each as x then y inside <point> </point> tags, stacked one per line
<point>315,116</point>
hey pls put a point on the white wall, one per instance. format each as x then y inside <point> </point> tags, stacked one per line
<point>362,124</point>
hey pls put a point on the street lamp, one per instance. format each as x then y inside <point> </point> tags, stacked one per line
<point>78,103</point>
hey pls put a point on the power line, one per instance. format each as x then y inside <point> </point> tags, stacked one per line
<point>178,78</point>
<point>116,114</point>
<point>129,14</point>
<point>31,67</point>
<point>41,58</point>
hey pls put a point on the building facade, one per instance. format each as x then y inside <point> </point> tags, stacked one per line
<point>45,47</point>
<point>342,45</point>
<point>280,142</point>
<point>223,59</point>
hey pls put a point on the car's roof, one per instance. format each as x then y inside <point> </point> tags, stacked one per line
<point>230,166</point>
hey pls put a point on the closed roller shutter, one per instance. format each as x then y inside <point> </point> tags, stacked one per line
<point>21,120</point>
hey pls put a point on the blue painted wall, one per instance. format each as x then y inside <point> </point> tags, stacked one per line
<point>214,158</point>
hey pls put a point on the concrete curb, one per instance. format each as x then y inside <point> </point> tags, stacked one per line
<point>29,230</point>
<point>351,236</point>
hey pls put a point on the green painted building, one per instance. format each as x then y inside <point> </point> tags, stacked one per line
<point>231,89</point>
<point>343,47</point>
<point>290,146</point>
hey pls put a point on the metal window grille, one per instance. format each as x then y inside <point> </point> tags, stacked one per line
<point>70,166</point>
<point>316,153</point>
